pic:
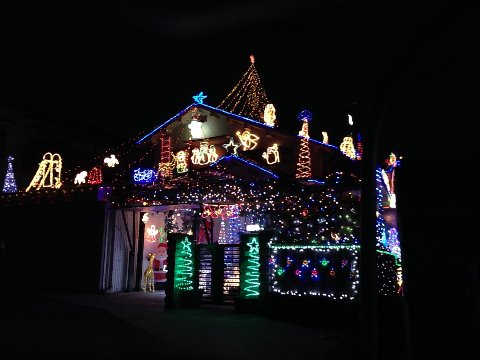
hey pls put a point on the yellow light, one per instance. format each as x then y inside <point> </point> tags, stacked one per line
<point>348,148</point>
<point>248,140</point>
<point>272,155</point>
<point>181,160</point>
<point>269,116</point>
<point>325,137</point>
<point>50,166</point>
<point>204,154</point>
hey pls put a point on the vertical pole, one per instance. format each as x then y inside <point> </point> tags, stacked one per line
<point>139,272</point>
<point>368,315</point>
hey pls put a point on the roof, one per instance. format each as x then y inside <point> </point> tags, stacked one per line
<point>223,130</point>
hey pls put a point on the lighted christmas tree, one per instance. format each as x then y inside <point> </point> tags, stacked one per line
<point>247,98</point>
<point>10,186</point>
<point>304,166</point>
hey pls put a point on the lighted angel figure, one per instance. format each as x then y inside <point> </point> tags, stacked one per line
<point>272,155</point>
<point>269,116</point>
<point>348,148</point>
<point>111,161</point>
<point>80,178</point>
<point>248,140</point>
<point>152,233</point>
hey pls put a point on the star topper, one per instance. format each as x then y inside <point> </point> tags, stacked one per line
<point>254,246</point>
<point>186,246</point>
<point>199,98</point>
<point>233,145</point>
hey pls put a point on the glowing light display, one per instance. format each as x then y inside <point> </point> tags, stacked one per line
<point>222,211</point>
<point>10,185</point>
<point>111,161</point>
<point>249,268</point>
<point>151,233</point>
<point>272,155</point>
<point>80,178</point>
<point>348,148</point>
<point>48,174</point>
<point>196,129</point>
<point>165,168</point>
<point>181,161</point>
<point>315,270</point>
<point>204,154</point>
<point>247,98</point>
<point>247,139</point>
<point>325,137</point>
<point>94,176</point>
<point>231,147</point>
<point>304,165</point>
<point>199,97</point>
<point>144,175</point>
<point>145,218</point>
<point>183,278</point>
<point>269,116</point>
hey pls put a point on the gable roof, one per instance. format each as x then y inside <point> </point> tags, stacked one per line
<point>219,127</point>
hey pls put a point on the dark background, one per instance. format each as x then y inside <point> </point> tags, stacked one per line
<point>118,68</point>
<point>406,70</point>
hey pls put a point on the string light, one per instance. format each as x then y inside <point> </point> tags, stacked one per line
<point>183,279</point>
<point>304,170</point>
<point>272,155</point>
<point>111,161</point>
<point>249,269</point>
<point>348,148</point>
<point>48,174</point>
<point>10,185</point>
<point>247,98</point>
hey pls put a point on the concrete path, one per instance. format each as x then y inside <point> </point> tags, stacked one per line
<point>126,325</point>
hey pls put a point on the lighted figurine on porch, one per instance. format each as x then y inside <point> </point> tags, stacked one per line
<point>148,275</point>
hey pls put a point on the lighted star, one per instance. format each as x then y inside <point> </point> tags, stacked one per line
<point>253,246</point>
<point>199,98</point>
<point>186,245</point>
<point>10,159</point>
<point>231,144</point>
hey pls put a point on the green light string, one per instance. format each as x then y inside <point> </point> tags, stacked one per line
<point>253,275</point>
<point>184,269</point>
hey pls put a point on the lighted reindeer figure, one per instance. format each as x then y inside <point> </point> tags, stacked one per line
<point>148,277</point>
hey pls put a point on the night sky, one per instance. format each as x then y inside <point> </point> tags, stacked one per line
<point>132,65</point>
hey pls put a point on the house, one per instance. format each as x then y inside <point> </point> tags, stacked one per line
<point>232,207</point>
